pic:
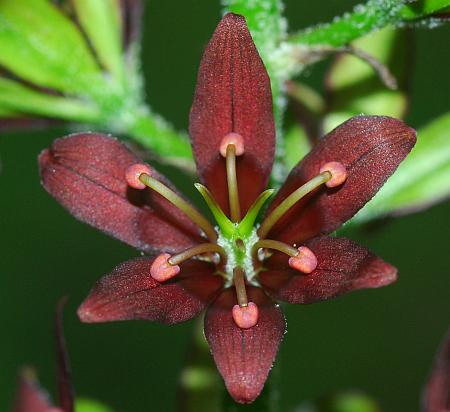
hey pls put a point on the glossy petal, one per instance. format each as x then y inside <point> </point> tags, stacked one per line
<point>343,266</point>
<point>30,397</point>
<point>370,147</point>
<point>129,292</point>
<point>233,95</point>
<point>86,173</point>
<point>437,391</point>
<point>244,356</point>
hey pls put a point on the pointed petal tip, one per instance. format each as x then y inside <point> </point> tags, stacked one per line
<point>85,315</point>
<point>244,357</point>
<point>377,274</point>
<point>244,392</point>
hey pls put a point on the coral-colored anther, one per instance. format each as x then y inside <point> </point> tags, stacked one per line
<point>245,316</point>
<point>338,173</point>
<point>161,270</point>
<point>305,261</point>
<point>232,138</point>
<point>133,172</point>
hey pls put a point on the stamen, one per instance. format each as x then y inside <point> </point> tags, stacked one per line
<point>233,191</point>
<point>305,261</point>
<point>245,317</point>
<point>195,251</point>
<point>180,203</point>
<point>162,270</point>
<point>239,284</point>
<point>291,200</point>
<point>235,139</point>
<point>134,172</point>
<point>338,173</point>
<point>245,314</point>
<point>275,245</point>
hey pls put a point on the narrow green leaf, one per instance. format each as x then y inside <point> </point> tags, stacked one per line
<point>40,44</point>
<point>101,20</point>
<point>90,405</point>
<point>354,87</point>
<point>421,180</point>
<point>17,97</point>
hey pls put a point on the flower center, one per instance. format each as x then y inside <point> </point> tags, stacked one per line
<point>237,246</point>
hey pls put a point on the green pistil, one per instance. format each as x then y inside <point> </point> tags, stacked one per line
<point>226,225</point>
<point>238,249</point>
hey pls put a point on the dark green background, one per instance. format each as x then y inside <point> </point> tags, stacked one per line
<point>381,342</point>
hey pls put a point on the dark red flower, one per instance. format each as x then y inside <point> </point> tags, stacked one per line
<point>437,391</point>
<point>31,397</point>
<point>236,269</point>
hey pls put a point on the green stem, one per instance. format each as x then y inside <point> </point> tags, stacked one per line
<point>364,19</point>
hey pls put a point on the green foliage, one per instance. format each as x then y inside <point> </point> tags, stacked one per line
<point>421,180</point>
<point>41,44</point>
<point>30,40</point>
<point>355,87</point>
<point>14,95</point>
<point>101,20</point>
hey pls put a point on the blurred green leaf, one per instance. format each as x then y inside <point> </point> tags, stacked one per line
<point>41,45</point>
<point>421,180</point>
<point>6,112</point>
<point>355,87</point>
<point>102,22</point>
<point>342,402</point>
<point>351,402</point>
<point>90,405</point>
<point>297,145</point>
<point>15,96</point>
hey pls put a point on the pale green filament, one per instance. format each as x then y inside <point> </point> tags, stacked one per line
<point>195,251</point>
<point>275,245</point>
<point>181,204</point>
<point>233,191</point>
<point>290,201</point>
<point>239,284</point>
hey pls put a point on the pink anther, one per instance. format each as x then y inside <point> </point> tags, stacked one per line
<point>338,173</point>
<point>235,139</point>
<point>161,270</point>
<point>134,172</point>
<point>305,261</point>
<point>245,316</point>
